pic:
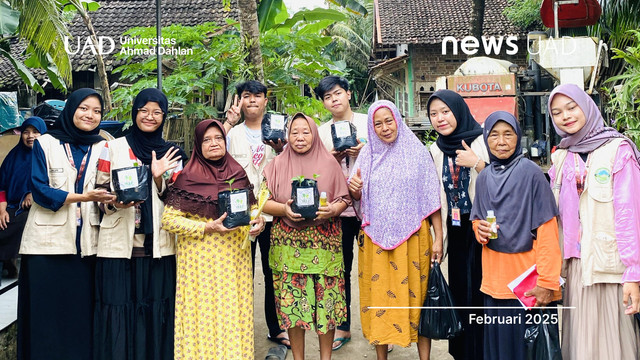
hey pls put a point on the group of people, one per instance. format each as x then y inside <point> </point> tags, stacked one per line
<point>164,278</point>
<point>581,225</point>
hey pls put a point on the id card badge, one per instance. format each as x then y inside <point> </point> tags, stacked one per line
<point>78,216</point>
<point>138,217</point>
<point>455,216</point>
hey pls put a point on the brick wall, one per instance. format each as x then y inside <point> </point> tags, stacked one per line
<point>429,64</point>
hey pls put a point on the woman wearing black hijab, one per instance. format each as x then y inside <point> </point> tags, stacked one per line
<point>136,266</point>
<point>59,242</point>
<point>459,155</point>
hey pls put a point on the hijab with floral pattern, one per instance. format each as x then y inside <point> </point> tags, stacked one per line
<point>400,183</point>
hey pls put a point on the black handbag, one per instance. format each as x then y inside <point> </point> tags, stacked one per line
<point>542,341</point>
<point>438,320</point>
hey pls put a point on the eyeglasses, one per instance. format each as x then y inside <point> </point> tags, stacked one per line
<point>145,112</point>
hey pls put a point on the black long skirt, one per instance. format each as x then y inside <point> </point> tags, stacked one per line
<point>10,237</point>
<point>134,309</point>
<point>465,278</point>
<point>504,335</point>
<point>55,307</point>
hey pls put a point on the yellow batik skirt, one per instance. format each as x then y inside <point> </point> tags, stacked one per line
<point>393,278</point>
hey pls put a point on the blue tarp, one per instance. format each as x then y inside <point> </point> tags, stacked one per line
<point>9,115</point>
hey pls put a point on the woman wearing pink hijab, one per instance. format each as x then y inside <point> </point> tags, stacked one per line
<point>593,172</point>
<point>306,254</point>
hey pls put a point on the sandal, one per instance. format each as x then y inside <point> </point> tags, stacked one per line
<point>277,353</point>
<point>341,341</point>
<point>280,340</point>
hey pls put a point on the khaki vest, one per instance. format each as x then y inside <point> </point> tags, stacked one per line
<point>49,232</point>
<point>599,254</point>
<point>117,228</point>
<point>480,149</point>
<point>240,149</point>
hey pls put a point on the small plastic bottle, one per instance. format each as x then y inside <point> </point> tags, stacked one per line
<point>491,219</point>
<point>323,199</point>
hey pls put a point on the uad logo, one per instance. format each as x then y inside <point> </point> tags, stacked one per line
<point>95,47</point>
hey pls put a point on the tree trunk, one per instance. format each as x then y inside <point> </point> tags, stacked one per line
<point>477,18</point>
<point>101,68</point>
<point>251,35</point>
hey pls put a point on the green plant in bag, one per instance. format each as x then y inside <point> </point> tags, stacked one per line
<point>230,182</point>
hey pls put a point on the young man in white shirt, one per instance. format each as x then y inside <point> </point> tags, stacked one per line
<point>244,144</point>
<point>335,94</point>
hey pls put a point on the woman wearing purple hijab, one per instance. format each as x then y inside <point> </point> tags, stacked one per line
<point>396,180</point>
<point>595,168</point>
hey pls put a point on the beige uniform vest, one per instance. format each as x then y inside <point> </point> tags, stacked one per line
<point>117,228</point>
<point>49,232</point>
<point>598,245</point>
<point>240,149</point>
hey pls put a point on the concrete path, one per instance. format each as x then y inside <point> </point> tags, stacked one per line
<point>358,348</point>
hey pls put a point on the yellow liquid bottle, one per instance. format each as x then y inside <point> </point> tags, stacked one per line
<point>323,199</point>
<point>491,219</point>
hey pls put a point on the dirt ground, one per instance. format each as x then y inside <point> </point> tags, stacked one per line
<point>357,348</point>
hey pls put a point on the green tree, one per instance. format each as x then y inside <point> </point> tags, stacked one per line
<point>624,104</point>
<point>617,19</point>
<point>83,7</point>
<point>188,78</point>
<point>251,33</point>
<point>352,41</point>
<point>293,55</point>
<point>524,13</point>
<point>41,25</point>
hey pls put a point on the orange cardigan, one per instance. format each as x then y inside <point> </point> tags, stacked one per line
<point>499,269</point>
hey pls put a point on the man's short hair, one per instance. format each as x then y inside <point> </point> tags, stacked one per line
<point>328,83</point>
<point>252,86</point>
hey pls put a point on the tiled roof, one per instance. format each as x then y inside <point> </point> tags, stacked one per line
<point>9,78</point>
<point>115,17</point>
<point>429,21</point>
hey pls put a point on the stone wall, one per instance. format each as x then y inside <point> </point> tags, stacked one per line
<point>8,343</point>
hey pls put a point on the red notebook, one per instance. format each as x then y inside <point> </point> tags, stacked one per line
<point>525,282</point>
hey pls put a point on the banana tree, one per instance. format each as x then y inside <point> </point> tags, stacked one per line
<point>40,25</point>
<point>83,7</point>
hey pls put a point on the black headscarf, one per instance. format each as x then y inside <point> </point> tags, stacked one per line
<point>516,190</point>
<point>142,143</point>
<point>467,127</point>
<point>66,131</point>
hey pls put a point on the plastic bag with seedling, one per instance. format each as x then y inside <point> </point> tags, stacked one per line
<point>344,136</point>
<point>235,202</point>
<point>131,184</point>
<point>305,195</point>
<point>274,127</point>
